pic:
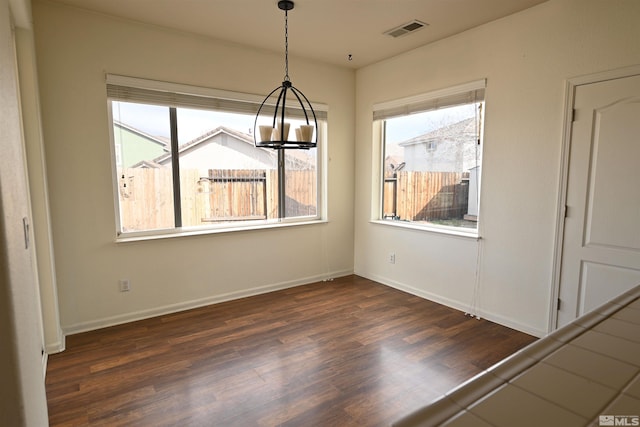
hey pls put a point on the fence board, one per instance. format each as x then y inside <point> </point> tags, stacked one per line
<point>145,191</point>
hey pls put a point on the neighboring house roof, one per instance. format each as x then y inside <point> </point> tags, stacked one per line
<point>147,164</point>
<point>163,142</point>
<point>241,136</point>
<point>466,127</point>
<point>296,161</point>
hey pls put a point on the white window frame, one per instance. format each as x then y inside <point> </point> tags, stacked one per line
<point>442,98</point>
<point>133,89</point>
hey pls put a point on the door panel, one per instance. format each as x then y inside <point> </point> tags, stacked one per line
<point>612,215</point>
<point>592,277</point>
<point>601,242</point>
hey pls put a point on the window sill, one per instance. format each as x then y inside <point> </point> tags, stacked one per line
<point>202,231</point>
<point>438,229</point>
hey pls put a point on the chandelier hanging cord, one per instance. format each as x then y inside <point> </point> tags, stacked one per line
<point>286,45</point>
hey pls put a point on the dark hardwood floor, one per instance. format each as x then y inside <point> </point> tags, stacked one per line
<point>350,352</point>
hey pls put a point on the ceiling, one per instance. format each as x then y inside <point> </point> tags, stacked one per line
<point>322,30</point>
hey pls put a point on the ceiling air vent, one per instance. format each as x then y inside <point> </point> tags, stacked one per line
<point>407,28</point>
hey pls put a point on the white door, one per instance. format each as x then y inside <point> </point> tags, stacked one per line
<point>601,245</point>
<point>24,400</point>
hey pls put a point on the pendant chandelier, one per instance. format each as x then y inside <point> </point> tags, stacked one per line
<point>274,118</point>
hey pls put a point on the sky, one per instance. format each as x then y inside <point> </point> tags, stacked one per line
<point>154,120</point>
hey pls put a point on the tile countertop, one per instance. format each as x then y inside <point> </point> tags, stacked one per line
<point>574,376</point>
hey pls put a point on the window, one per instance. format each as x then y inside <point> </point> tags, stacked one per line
<point>184,159</point>
<point>432,158</point>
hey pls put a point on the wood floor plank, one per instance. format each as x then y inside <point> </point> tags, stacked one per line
<point>349,352</point>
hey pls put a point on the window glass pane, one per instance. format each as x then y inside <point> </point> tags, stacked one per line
<point>223,176</point>
<point>432,166</point>
<point>141,137</point>
<point>301,183</point>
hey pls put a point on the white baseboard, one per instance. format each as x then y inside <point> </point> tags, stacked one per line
<point>45,360</point>
<point>187,305</point>
<point>56,346</point>
<point>513,324</point>
<point>458,305</point>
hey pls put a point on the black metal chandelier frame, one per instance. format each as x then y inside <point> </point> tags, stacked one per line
<point>277,135</point>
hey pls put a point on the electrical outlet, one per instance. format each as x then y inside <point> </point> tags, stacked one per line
<point>392,257</point>
<point>125,285</point>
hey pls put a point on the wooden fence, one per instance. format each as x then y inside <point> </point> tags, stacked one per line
<point>146,196</point>
<point>426,196</point>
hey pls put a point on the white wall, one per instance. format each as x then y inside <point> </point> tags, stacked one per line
<point>74,51</point>
<point>526,59</point>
